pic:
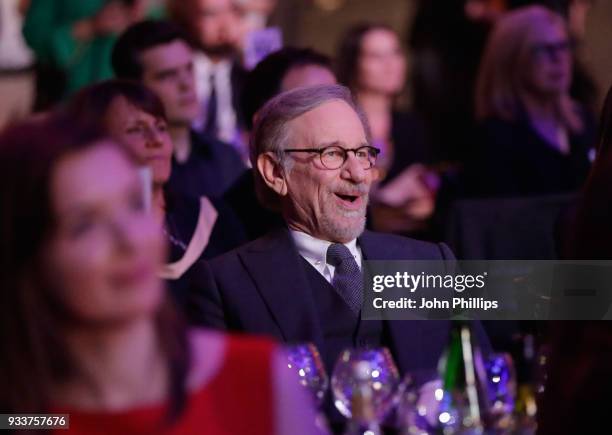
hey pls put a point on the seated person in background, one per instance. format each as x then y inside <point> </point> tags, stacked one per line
<point>283,70</point>
<point>73,40</point>
<point>215,31</point>
<point>532,137</point>
<point>280,71</point>
<point>371,62</point>
<point>194,228</point>
<point>446,41</point>
<point>302,283</point>
<point>158,55</point>
<point>86,327</point>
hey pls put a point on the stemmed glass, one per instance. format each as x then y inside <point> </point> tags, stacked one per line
<point>428,408</point>
<point>382,378</point>
<point>501,382</point>
<point>305,360</point>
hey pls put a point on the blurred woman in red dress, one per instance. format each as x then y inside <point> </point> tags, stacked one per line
<point>85,327</point>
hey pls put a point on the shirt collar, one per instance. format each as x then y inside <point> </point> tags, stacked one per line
<point>204,65</point>
<point>316,249</point>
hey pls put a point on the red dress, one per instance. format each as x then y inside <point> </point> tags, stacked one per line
<point>237,401</point>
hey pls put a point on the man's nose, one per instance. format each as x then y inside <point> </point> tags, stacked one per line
<point>186,81</point>
<point>353,169</point>
<point>154,138</point>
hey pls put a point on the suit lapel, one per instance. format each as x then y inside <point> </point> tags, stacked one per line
<point>275,267</point>
<point>408,338</point>
<point>369,248</point>
<point>373,247</point>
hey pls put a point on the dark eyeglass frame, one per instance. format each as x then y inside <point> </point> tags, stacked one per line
<point>373,152</point>
<point>551,50</point>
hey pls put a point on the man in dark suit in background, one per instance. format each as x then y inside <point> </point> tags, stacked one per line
<point>281,71</point>
<point>302,283</point>
<point>157,54</point>
<point>214,29</point>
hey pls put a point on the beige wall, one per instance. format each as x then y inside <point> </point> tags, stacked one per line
<point>305,24</point>
<point>598,47</point>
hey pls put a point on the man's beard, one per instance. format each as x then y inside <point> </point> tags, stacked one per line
<point>220,50</point>
<point>339,229</point>
<point>343,233</point>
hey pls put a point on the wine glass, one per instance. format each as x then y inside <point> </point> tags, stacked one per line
<point>429,408</point>
<point>426,408</point>
<point>501,383</point>
<point>382,378</point>
<point>305,360</point>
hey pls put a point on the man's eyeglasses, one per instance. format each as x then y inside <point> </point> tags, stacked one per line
<point>333,157</point>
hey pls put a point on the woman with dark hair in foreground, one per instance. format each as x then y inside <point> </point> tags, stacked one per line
<point>85,327</point>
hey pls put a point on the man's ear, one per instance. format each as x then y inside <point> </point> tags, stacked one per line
<point>272,172</point>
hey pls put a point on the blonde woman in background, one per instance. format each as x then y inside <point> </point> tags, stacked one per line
<point>532,137</point>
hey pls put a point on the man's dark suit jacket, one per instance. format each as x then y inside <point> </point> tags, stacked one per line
<point>262,288</point>
<point>212,167</point>
<point>256,219</point>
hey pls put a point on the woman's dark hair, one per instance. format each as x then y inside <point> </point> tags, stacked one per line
<point>33,354</point>
<point>91,104</point>
<point>265,80</point>
<point>349,50</point>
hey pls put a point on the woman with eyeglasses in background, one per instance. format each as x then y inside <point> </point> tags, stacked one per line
<point>194,228</point>
<point>532,138</point>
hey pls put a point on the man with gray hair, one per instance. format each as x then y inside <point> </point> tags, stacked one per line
<point>303,283</point>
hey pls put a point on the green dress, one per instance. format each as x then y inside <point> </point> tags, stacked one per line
<point>48,31</point>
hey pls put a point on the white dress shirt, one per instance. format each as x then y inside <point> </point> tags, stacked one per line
<point>315,252</point>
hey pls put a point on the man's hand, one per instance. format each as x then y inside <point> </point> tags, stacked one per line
<point>415,183</point>
<point>113,18</point>
<point>405,204</point>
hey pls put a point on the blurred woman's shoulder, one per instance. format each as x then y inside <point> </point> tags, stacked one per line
<point>213,353</point>
<point>233,384</point>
